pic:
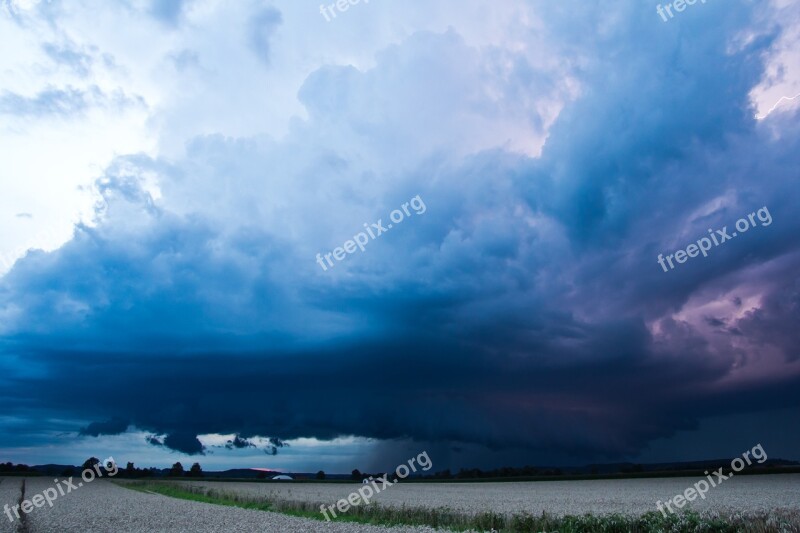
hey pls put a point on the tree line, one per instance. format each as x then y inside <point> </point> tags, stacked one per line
<point>130,471</point>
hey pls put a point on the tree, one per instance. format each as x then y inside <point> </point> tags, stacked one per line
<point>320,475</point>
<point>196,470</point>
<point>90,463</point>
<point>130,470</point>
<point>356,475</point>
<point>176,470</point>
<point>444,474</point>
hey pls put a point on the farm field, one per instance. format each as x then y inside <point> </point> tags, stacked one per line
<point>623,496</point>
<point>103,506</point>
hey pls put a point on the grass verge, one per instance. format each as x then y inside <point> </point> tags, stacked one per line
<point>448,519</point>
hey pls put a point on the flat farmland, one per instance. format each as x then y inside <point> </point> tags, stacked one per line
<point>104,506</point>
<point>624,496</point>
<point>128,506</point>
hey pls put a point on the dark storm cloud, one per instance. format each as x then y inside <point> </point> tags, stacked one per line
<point>238,443</point>
<point>524,310</point>
<point>110,427</point>
<point>184,442</point>
<point>407,388</point>
<point>154,440</point>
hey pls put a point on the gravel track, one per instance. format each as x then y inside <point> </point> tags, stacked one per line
<point>626,496</point>
<point>103,507</point>
<point>10,489</point>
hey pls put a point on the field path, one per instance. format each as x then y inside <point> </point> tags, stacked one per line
<point>102,506</point>
<point>10,490</point>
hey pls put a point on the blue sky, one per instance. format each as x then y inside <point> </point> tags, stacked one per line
<point>171,170</point>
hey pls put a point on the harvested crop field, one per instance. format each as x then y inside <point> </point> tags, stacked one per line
<point>624,496</point>
<point>103,506</point>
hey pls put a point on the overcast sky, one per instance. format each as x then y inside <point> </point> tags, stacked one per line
<point>178,165</point>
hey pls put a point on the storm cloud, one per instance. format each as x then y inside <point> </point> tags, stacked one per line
<point>524,311</point>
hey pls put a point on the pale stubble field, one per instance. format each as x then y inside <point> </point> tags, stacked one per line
<point>625,496</point>
<point>106,505</point>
